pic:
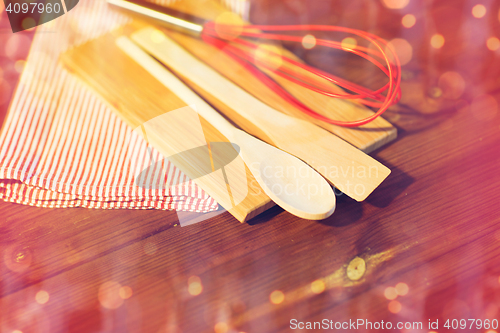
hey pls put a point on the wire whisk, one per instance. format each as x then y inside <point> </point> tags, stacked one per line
<point>242,41</point>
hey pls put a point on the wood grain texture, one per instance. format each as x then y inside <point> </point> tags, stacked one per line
<point>433,224</point>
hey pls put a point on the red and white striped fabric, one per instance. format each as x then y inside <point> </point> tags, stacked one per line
<point>61,146</point>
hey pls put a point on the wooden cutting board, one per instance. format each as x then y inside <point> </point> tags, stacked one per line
<point>142,102</point>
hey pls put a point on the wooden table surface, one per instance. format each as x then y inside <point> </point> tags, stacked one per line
<point>432,226</point>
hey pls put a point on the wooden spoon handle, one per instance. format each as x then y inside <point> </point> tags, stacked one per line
<point>176,86</point>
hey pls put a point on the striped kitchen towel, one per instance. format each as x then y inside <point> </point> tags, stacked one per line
<point>61,146</point>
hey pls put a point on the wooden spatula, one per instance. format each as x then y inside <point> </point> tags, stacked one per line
<point>349,169</point>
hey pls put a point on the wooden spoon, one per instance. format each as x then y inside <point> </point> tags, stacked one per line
<point>288,181</point>
<point>349,169</point>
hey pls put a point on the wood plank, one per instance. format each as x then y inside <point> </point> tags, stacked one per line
<point>255,153</point>
<point>425,253</point>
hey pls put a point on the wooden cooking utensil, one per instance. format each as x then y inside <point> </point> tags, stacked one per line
<point>349,169</point>
<point>305,194</point>
<point>226,38</point>
<point>139,99</point>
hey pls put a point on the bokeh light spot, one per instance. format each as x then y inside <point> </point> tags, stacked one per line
<point>408,20</point>
<point>221,327</point>
<point>42,297</point>
<point>491,331</point>
<point>390,293</point>
<point>452,85</point>
<point>15,331</point>
<point>125,292</point>
<point>456,308</point>
<point>493,43</point>
<point>478,11</point>
<point>395,4</point>
<point>394,306</point>
<point>194,286</point>
<point>435,92</point>
<point>402,288</point>
<point>109,295</point>
<point>308,42</point>
<point>157,36</point>
<point>318,286</point>
<point>403,50</point>
<point>437,41</point>
<point>484,107</point>
<point>228,25</point>
<point>277,297</point>
<point>491,310</point>
<point>348,43</point>
<point>17,258</point>
<point>12,265</point>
